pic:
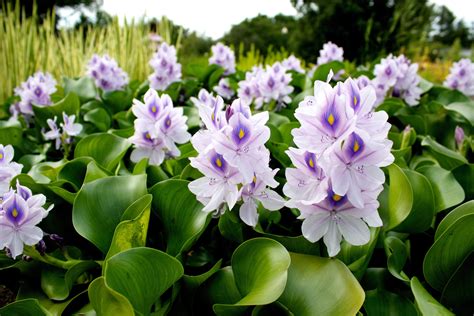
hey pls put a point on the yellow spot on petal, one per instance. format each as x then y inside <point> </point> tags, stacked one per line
<point>355,100</point>
<point>15,213</point>
<point>356,146</point>
<point>213,116</point>
<point>218,162</point>
<point>336,197</point>
<point>241,133</point>
<point>148,136</point>
<point>1,155</point>
<point>311,163</point>
<point>331,119</point>
<point>254,180</point>
<point>153,109</point>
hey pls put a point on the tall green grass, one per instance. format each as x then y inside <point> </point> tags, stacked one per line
<point>27,46</point>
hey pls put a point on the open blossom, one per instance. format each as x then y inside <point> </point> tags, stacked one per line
<point>224,89</point>
<point>461,77</point>
<point>337,176</point>
<point>398,75</point>
<point>8,168</point>
<point>330,52</point>
<point>233,159</point>
<point>292,63</point>
<point>223,56</point>
<point>158,128</point>
<point>20,213</point>
<point>68,129</point>
<point>36,90</point>
<point>274,85</point>
<point>107,74</point>
<point>249,89</point>
<point>166,67</point>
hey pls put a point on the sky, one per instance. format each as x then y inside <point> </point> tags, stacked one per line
<point>213,18</point>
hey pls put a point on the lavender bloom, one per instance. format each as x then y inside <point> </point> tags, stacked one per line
<point>292,63</point>
<point>107,74</point>
<point>166,68</point>
<point>224,89</point>
<point>8,168</point>
<point>69,127</point>
<point>223,56</point>
<point>65,134</point>
<point>459,136</point>
<point>330,52</point>
<point>20,212</point>
<point>461,77</point>
<point>36,90</point>
<point>249,88</point>
<point>274,84</point>
<point>158,127</point>
<point>54,133</point>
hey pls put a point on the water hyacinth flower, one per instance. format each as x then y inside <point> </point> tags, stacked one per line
<point>292,63</point>
<point>224,89</point>
<point>37,90</point>
<point>20,213</point>
<point>223,56</point>
<point>158,128</point>
<point>337,176</point>
<point>330,52</point>
<point>249,89</point>
<point>459,136</point>
<point>166,68</point>
<point>8,168</point>
<point>274,85</point>
<point>233,160</point>
<point>399,76</point>
<point>106,73</point>
<point>461,77</point>
<point>63,135</point>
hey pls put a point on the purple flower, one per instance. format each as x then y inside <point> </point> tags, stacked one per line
<point>69,127</point>
<point>459,136</point>
<point>461,77</point>
<point>54,133</point>
<point>107,74</point>
<point>65,134</point>
<point>8,168</point>
<point>274,85</point>
<point>36,90</point>
<point>224,89</point>
<point>292,63</point>
<point>249,88</point>
<point>330,52</point>
<point>223,56</point>
<point>20,212</point>
<point>166,68</point>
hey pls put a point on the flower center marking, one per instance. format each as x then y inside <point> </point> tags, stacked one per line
<point>356,146</point>
<point>331,119</point>
<point>355,100</point>
<point>15,213</point>
<point>336,197</point>
<point>153,109</point>
<point>218,162</point>
<point>241,134</point>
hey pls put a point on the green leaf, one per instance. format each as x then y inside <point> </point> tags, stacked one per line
<point>132,230</point>
<point>447,158</point>
<point>400,198</point>
<point>397,255</point>
<point>425,302</point>
<point>465,176</point>
<point>84,87</point>
<point>70,105</point>
<point>142,275</point>
<point>192,113</point>
<point>285,131</point>
<point>465,109</point>
<point>94,172</point>
<point>278,152</point>
<point>117,101</point>
<point>320,286</point>
<point>460,211</point>
<point>277,119</point>
<point>99,117</point>
<point>381,302</point>
<point>74,171</point>
<point>322,71</point>
<point>11,133</point>
<point>106,149</point>
<point>100,204</point>
<point>193,282</point>
<point>448,252</point>
<point>106,301</point>
<point>180,214</point>
<point>230,227</point>
<point>447,191</point>
<point>26,307</point>
<point>425,85</point>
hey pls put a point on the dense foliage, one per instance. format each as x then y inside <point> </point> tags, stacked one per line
<point>136,228</point>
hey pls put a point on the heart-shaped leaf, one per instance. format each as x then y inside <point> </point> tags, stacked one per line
<point>425,302</point>
<point>106,301</point>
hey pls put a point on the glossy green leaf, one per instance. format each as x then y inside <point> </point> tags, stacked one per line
<point>142,275</point>
<point>192,113</point>
<point>425,302</point>
<point>132,230</point>
<point>26,307</point>
<point>83,87</point>
<point>466,109</point>
<point>447,191</point>
<point>447,158</point>
<point>381,302</point>
<point>10,133</point>
<point>397,255</point>
<point>465,176</point>
<point>119,100</point>
<point>94,172</point>
<point>322,71</point>
<point>195,281</point>
<point>70,105</point>
<point>460,211</point>
<point>448,252</point>
<point>99,117</point>
<point>180,214</point>
<point>277,119</point>
<point>100,204</point>
<point>106,301</point>
<point>285,131</point>
<point>230,227</point>
<point>106,149</point>
<point>74,171</point>
<point>320,286</point>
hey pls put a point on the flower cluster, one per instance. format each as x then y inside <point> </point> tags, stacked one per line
<point>107,74</point>
<point>330,52</point>
<point>223,56</point>
<point>166,68</point>
<point>36,90</point>
<point>63,135</point>
<point>461,77</point>
<point>233,159</point>
<point>8,168</point>
<point>337,176</point>
<point>292,63</point>
<point>20,213</point>
<point>158,127</point>
<point>224,89</point>
<point>398,76</point>
<point>265,86</point>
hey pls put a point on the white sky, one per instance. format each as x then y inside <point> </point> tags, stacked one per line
<point>214,18</point>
